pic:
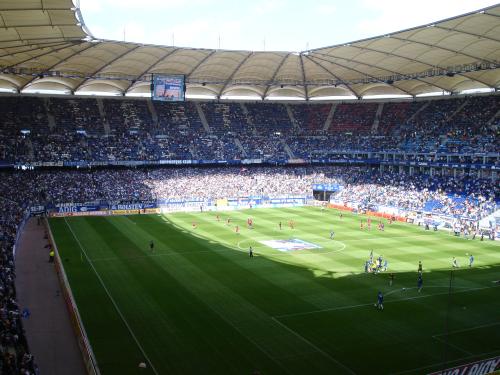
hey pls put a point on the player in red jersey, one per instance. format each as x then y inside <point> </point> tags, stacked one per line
<point>369,223</point>
<point>361,226</point>
<point>237,229</point>
<point>194,225</point>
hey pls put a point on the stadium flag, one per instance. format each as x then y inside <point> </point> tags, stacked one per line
<point>484,367</point>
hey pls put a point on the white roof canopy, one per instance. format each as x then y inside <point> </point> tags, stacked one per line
<point>44,44</point>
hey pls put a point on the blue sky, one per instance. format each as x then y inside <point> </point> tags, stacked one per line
<point>272,25</point>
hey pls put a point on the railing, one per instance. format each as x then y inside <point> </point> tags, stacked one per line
<point>83,342</point>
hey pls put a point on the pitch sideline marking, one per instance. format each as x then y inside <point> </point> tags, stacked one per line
<point>467,329</point>
<point>313,346</point>
<point>451,345</point>
<point>369,304</point>
<point>112,299</point>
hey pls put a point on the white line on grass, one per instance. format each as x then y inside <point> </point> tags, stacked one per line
<point>314,346</point>
<point>112,299</point>
<point>452,345</point>
<point>369,304</point>
<point>467,329</point>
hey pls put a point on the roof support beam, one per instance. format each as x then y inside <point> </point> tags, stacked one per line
<point>162,58</point>
<point>40,55</point>
<point>226,82</point>
<point>467,32</point>
<point>491,14</point>
<point>408,59</point>
<point>44,9</point>
<point>275,73</point>
<point>106,65</point>
<point>365,74</point>
<point>57,63</point>
<point>334,75</point>
<point>30,49</point>
<point>375,66</point>
<point>36,25</point>
<point>199,64</point>
<point>23,42</point>
<point>306,90</point>
<point>441,48</point>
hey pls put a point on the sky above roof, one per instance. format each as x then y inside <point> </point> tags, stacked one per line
<point>270,25</point>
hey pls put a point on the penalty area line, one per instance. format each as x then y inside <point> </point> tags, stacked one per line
<point>112,299</point>
<point>467,329</point>
<point>313,346</point>
<point>451,345</point>
<point>370,303</point>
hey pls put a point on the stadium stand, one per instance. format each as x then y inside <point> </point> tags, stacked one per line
<point>311,118</point>
<point>353,118</point>
<point>55,129</point>
<point>59,130</point>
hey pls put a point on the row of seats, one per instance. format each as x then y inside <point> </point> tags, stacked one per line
<point>77,129</point>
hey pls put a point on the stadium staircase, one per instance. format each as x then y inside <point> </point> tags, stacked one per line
<point>495,116</point>
<point>426,104</point>
<point>31,150</point>
<point>376,121</point>
<point>247,116</point>
<point>50,117</point>
<point>100,105</point>
<point>329,118</point>
<point>193,151</point>
<point>152,110</point>
<point>203,119</point>
<point>397,129</point>
<point>287,149</point>
<point>240,147</point>
<point>294,122</point>
<point>457,111</point>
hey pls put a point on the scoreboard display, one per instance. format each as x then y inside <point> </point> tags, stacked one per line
<point>168,88</point>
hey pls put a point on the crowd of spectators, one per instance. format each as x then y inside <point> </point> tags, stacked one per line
<point>355,118</point>
<point>14,355</point>
<point>85,129</point>
<point>463,196</point>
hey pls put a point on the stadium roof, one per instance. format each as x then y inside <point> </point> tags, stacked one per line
<point>44,45</point>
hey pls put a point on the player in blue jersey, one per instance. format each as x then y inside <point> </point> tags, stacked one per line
<point>380,301</point>
<point>471,260</point>
<point>332,234</point>
<point>420,282</point>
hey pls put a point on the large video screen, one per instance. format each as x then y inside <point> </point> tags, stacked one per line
<point>168,88</point>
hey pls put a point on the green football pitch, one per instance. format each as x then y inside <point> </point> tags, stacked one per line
<point>199,304</point>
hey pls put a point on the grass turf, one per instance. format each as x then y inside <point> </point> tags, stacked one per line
<point>199,304</point>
